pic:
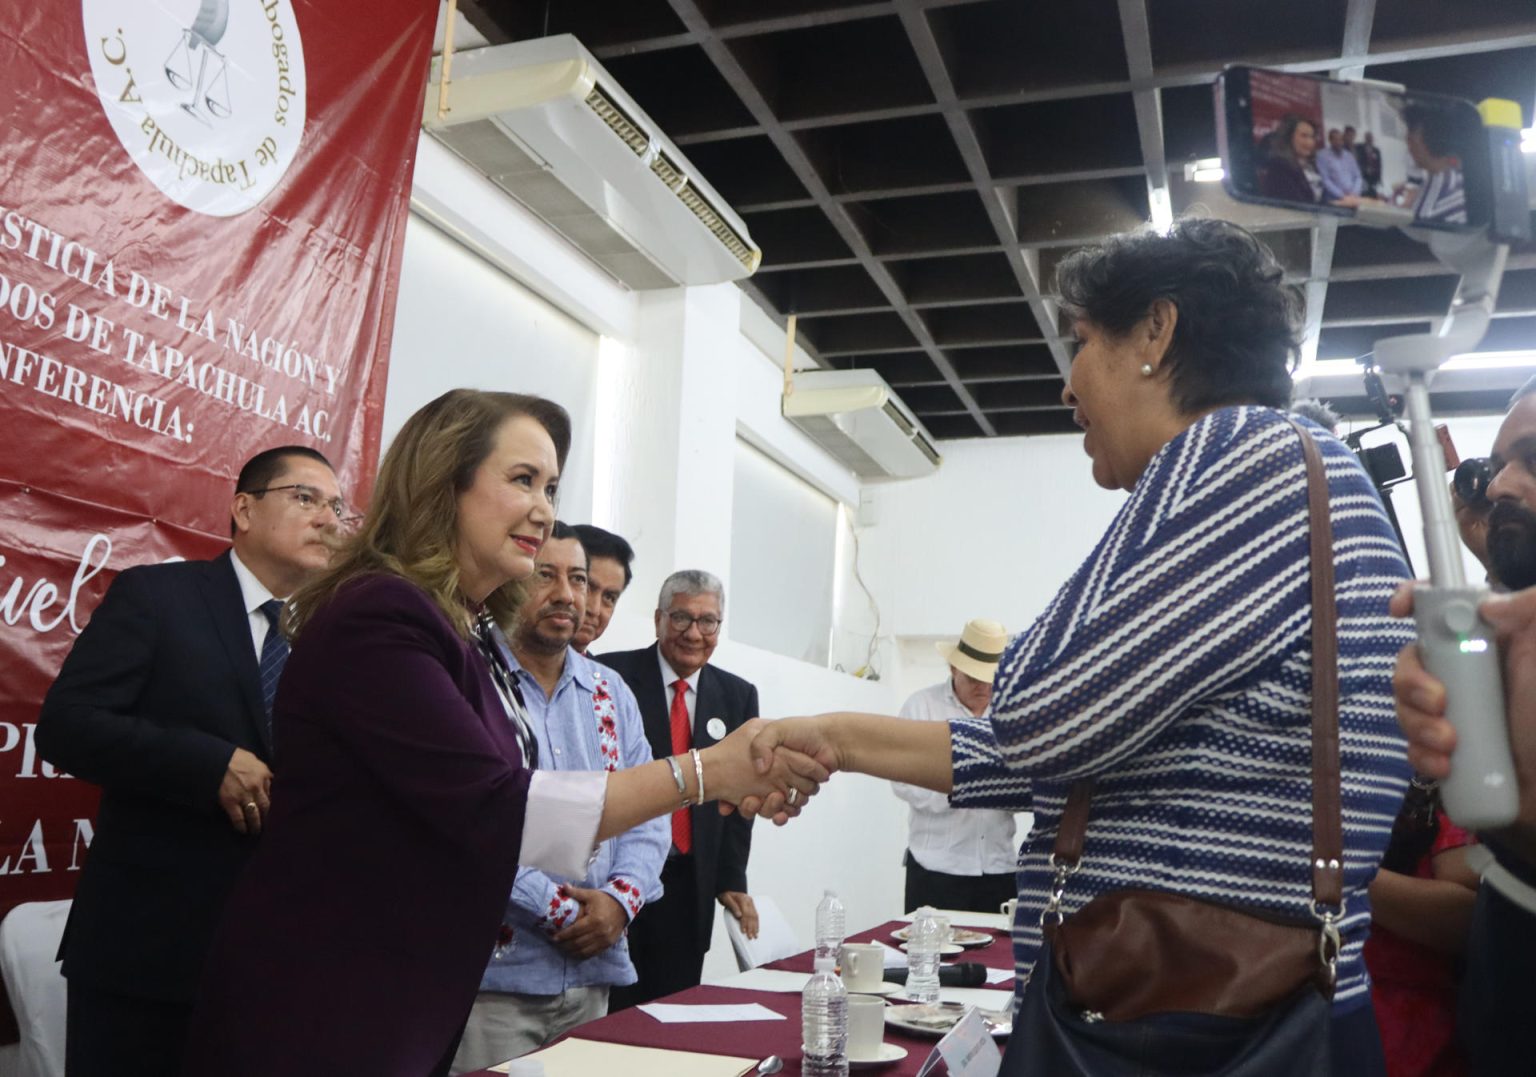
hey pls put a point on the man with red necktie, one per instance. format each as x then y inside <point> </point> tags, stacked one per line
<point>687,703</point>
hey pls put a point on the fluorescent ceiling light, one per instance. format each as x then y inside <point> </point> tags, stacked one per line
<point>1491,360</point>
<point>1528,140</point>
<point>1334,368</point>
<point>1162,209</point>
<point>1205,170</point>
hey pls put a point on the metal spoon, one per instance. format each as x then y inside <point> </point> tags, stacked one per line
<point>771,1064</point>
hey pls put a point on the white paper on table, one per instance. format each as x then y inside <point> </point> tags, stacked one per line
<point>986,998</point>
<point>998,976</point>
<point>769,980</point>
<point>582,1058</point>
<point>672,1013</point>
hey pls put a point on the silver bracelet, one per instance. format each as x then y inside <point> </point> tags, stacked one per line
<point>677,776</point>
<point>698,771</point>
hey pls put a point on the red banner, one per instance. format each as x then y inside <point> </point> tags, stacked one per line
<point>1276,96</point>
<point>202,209</point>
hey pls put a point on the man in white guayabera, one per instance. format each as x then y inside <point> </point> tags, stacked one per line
<point>959,858</point>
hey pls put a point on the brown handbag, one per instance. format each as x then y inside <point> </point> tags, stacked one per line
<point>1133,952</point>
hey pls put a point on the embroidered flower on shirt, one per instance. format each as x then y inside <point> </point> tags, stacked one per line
<point>561,911</point>
<point>503,942</point>
<point>629,893</point>
<point>607,715</point>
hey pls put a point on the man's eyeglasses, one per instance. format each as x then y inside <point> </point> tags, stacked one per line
<point>708,624</point>
<point>308,499</point>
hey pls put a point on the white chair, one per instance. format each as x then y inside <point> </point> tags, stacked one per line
<point>774,939</point>
<point>29,939</point>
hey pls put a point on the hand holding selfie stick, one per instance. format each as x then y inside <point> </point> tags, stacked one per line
<point>1455,642</point>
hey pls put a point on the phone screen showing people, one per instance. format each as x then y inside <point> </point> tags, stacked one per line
<point>1333,146</point>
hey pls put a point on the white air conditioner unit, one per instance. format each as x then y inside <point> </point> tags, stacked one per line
<point>859,419</point>
<point>545,123</point>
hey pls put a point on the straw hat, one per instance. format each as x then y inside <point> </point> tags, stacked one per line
<point>979,649</point>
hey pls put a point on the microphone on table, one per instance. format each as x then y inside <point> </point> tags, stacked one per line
<point>962,974</point>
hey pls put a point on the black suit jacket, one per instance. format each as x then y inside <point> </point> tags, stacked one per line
<point>158,692</point>
<point>720,844</point>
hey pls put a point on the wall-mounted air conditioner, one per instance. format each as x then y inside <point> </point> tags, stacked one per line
<point>545,123</point>
<point>860,420</point>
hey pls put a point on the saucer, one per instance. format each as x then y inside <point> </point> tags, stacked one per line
<point>949,949</point>
<point>959,935</point>
<point>884,988</point>
<point>884,1056</point>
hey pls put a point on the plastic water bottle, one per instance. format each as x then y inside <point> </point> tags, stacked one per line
<point>829,927</point>
<point>824,1022</point>
<point>923,943</point>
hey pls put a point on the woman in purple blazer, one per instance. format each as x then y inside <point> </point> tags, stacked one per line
<point>405,793</point>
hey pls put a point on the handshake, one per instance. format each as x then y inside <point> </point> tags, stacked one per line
<point>772,768</point>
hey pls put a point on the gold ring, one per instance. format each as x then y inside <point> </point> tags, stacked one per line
<point>250,806</point>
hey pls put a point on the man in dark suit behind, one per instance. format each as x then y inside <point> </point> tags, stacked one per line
<point>165,702</point>
<point>687,703</point>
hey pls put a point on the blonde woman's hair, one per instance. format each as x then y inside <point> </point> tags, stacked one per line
<point>411,529</point>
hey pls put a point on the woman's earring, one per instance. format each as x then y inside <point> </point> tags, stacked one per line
<point>1146,370</point>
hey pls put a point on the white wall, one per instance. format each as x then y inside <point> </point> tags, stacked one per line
<point>463,323</point>
<point>993,533</point>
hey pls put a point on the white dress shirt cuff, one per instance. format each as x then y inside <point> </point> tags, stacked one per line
<point>560,824</point>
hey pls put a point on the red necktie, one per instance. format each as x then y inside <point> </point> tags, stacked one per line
<point>682,740</point>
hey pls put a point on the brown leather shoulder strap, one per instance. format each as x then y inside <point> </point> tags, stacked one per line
<point>1074,823</point>
<point>1327,820</point>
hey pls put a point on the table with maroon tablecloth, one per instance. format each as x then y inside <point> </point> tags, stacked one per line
<point>758,1039</point>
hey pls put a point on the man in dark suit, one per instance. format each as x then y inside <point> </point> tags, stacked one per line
<point>165,702</point>
<point>687,703</point>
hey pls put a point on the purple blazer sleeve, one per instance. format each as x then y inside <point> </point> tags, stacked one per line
<point>410,701</point>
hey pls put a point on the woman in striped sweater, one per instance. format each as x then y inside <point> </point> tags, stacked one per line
<point>1174,666</point>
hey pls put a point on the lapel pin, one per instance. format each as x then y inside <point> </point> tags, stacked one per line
<point>715,728</point>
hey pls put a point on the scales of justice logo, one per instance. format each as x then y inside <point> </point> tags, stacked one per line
<point>206,96</point>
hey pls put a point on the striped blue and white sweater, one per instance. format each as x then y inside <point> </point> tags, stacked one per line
<point>1175,668</point>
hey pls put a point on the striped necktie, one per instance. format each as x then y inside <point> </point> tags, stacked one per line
<point>274,654</point>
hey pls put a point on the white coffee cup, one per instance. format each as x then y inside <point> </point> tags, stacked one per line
<point>863,966</point>
<point>866,1026</point>
<point>1008,908</point>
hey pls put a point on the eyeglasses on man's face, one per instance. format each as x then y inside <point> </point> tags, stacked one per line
<point>681,622</point>
<point>310,500</point>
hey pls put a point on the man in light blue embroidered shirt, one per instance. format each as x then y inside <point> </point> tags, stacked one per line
<point>1340,170</point>
<point>562,943</point>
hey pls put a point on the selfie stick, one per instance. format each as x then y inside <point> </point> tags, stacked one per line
<point>1456,644</point>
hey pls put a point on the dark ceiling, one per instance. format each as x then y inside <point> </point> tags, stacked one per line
<point>914,169</point>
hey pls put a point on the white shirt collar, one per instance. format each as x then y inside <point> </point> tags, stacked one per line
<point>252,592</point>
<point>669,675</point>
